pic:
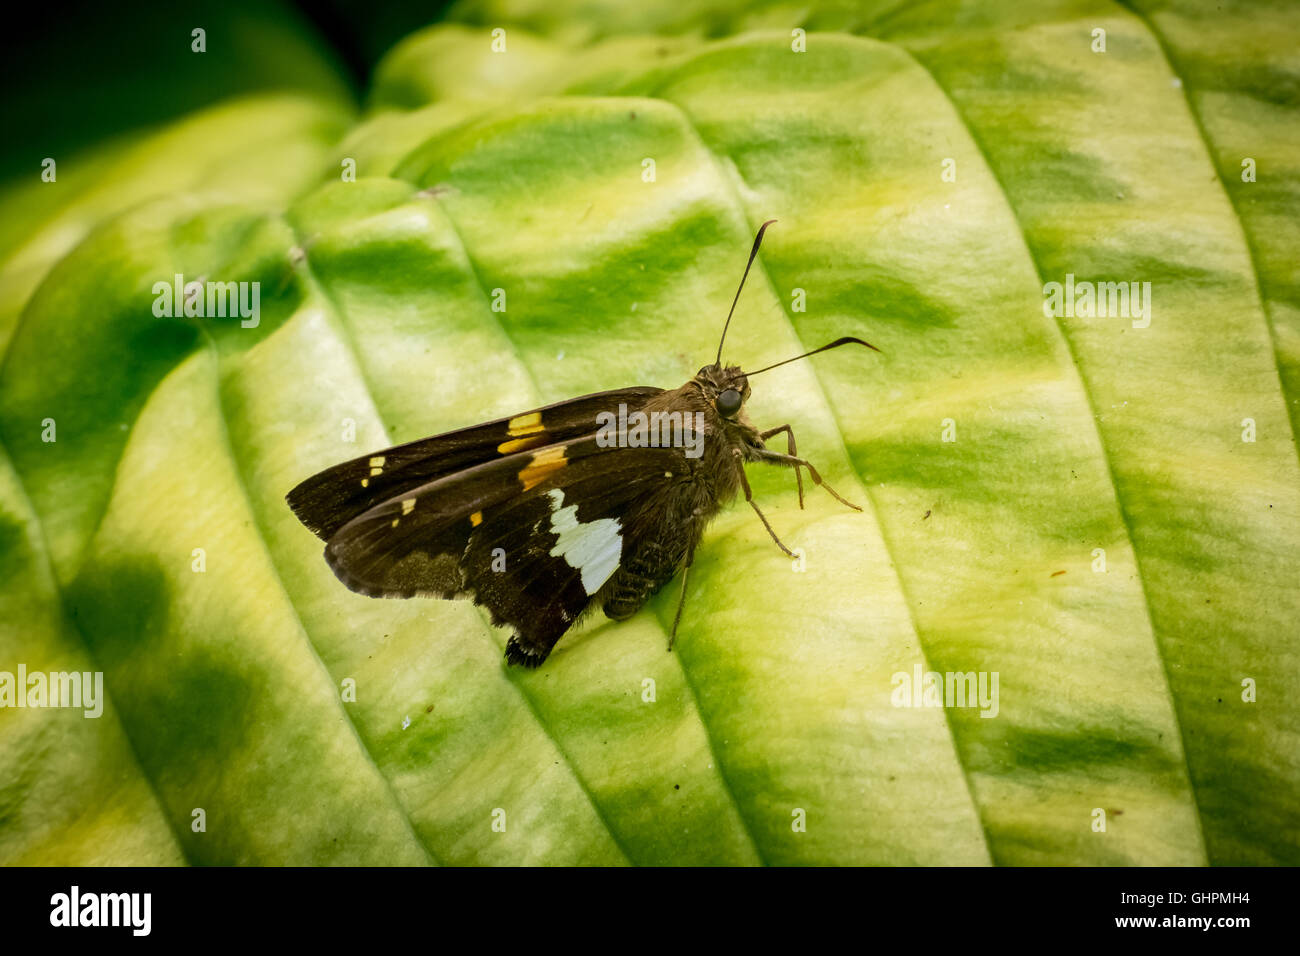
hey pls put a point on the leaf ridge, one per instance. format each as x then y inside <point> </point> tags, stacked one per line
<point>1101,444</point>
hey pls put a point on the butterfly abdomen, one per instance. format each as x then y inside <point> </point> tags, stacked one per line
<point>633,586</point>
<point>663,548</point>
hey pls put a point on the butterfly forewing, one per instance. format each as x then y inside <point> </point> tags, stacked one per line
<point>327,501</point>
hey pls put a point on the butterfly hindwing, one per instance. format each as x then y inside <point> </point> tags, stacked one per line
<point>531,536</point>
<point>327,501</point>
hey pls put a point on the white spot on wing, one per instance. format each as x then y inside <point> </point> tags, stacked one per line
<point>592,548</point>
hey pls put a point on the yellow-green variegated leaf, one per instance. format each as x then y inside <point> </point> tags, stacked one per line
<point>1100,512</point>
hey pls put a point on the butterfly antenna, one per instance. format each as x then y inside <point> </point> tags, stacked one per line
<point>758,241</point>
<point>847,340</point>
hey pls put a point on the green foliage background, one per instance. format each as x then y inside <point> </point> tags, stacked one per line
<point>522,171</point>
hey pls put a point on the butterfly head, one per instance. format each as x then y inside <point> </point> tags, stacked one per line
<point>726,389</point>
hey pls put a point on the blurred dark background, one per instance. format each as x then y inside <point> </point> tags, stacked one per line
<point>77,73</point>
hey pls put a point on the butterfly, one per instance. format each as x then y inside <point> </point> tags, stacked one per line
<point>594,502</point>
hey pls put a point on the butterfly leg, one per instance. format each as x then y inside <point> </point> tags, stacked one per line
<point>791,450</point>
<point>749,496</point>
<point>681,601</point>
<point>776,458</point>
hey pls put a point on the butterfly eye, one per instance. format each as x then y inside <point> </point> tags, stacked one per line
<point>728,402</point>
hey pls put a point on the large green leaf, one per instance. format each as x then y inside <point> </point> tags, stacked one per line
<point>523,171</point>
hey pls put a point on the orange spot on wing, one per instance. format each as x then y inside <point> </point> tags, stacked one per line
<point>544,463</point>
<point>524,425</point>
<point>519,444</point>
